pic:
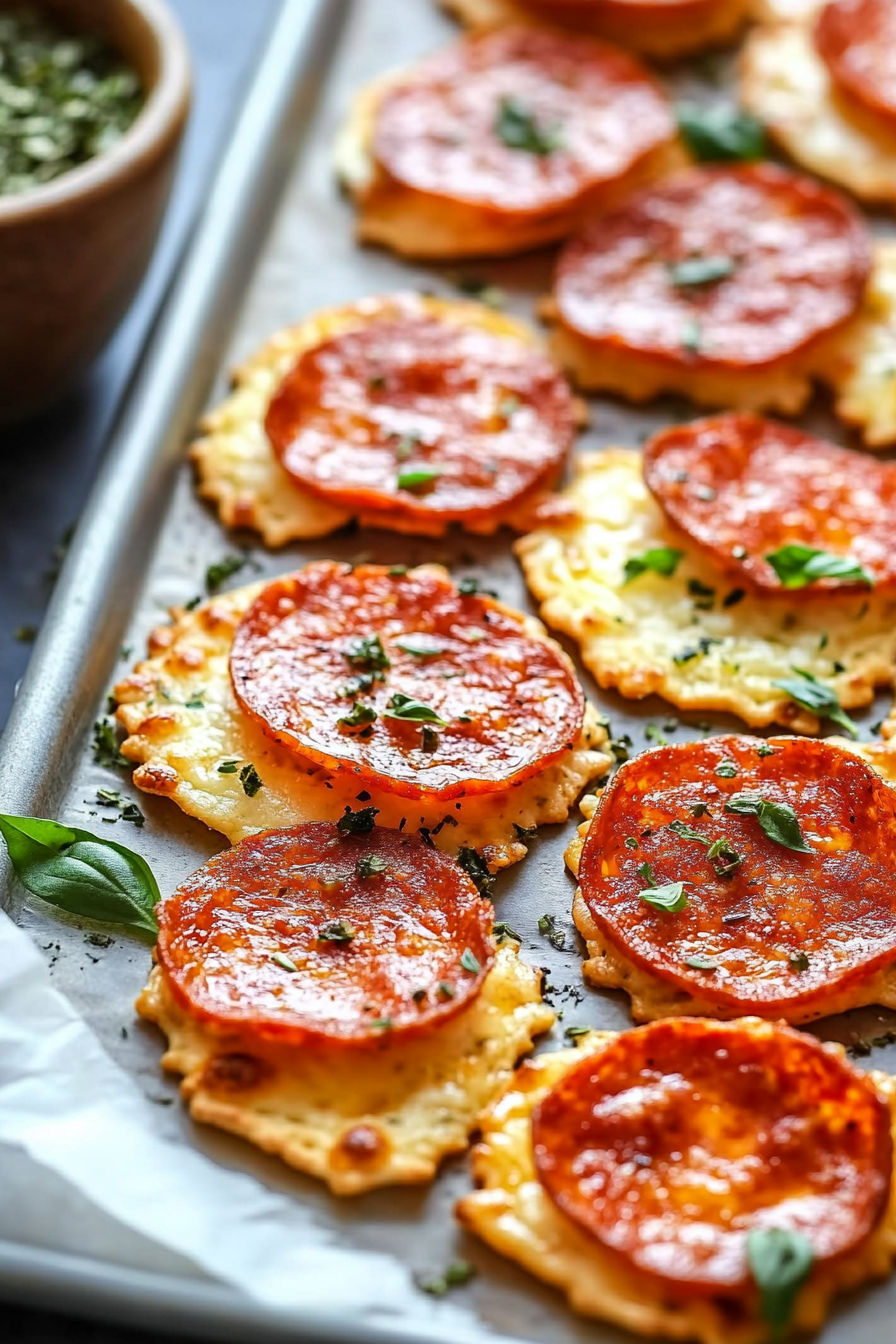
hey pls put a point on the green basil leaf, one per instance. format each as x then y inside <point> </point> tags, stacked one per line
<point>685,832</point>
<point>359,717</point>
<point>721,133</point>
<point>699,270</point>
<point>671,897</point>
<point>663,560</point>
<point>477,870</point>
<point>822,700</point>
<point>417,478</point>
<point>365,653</point>
<point>797,566</point>
<point>780,1261</point>
<point>518,128</point>
<point>470,962</point>
<point>78,872</point>
<point>404,707</point>
<point>361,822</point>
<point>219,573</point>
<point>371,865</point>
<point>418,647</point>
<point>778,820</point>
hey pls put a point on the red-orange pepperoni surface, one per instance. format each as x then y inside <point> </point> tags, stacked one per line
<point>742,488</point>
<point>464,698</point>
<point>771,930</point>
<point>284,937</point>
<point>682,1137</point>
<point>423,420</point>
<point>521,122</point>
<point>798,256</point>
<point>857,42</point>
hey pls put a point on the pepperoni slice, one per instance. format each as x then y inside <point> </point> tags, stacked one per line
<point>463,697</point>
<point>520,121</point>
<point>682,1137</point>
<point>422,419</point>
<point>285,937</point>
<point>742,488</point>
<point>856,39</point>
<point>788,260</point>
<point>771,930</point>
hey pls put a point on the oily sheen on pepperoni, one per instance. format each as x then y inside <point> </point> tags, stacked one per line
<point>509,701</point>
<point>835,907</point>
<point>741,487</point>
<point>799,252</point>
<point>683,1136</point>
<point>856,39</point>
<point>492,417</point>
<point>290,895</point>
<point>436,129</point>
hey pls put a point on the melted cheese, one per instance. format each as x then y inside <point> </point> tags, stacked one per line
<point>358,1119</point>
<point>786,84</point>
<point>630,634</point>
<point>513,1213</point>
<point>236,467</point>
<point>863,371</point>
<point>424,227</point>
<point>676,36</point>
<point>606,967</point>
<point>183,721</point>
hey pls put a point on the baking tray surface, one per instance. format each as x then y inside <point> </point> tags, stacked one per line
<point>310,260</point>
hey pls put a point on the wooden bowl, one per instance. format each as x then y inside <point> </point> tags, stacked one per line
<point>74,250</point>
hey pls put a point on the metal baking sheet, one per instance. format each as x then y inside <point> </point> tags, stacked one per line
<point>145,543</point>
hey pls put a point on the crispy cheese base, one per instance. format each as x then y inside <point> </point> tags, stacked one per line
<point>238,470</point>
<point>358,1119</point>
<point>424,227</point>
<point>786,84</point>
<point>606,967</point>
<point>630,634</point>
<point>179,745</point>
<point>513,1213</point>
<point>678,36</point>
<point>863,369</point>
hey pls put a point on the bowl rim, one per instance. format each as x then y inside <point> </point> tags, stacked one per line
<point>159,120</point>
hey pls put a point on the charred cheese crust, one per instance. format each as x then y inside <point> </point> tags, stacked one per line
<point>423,227</point>
<point>678,36</point>
<point>606,967</point>
<point>358,1119</point>
<point>785,83</point>
<point>179,743</point>
<point>513,1213</point>
<point>630,634</point>
<point>238,470</point>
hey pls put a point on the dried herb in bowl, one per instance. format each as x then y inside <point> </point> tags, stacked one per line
<point>64,98</point>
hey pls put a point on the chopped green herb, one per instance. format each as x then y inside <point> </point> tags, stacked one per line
<point>284,961</point>
<point>382,1023</point>
<point>621,747</point>
<point>524,832</point>
<point>780,1261</point>
<point>546,924</point>
<point>699,810</point>
<point>705,595</point>
<point>250,780</point>
<point>480,289</point>
<point>631,842</point>
<point>473,588</point>
<point>503,931</point>
<point>685,832</point>
<point>429,739</point>
<point>456,1275</point>
<point>405,707</point>
<point>518,128</point>
<point>654,734</point>
<point>365,653</point>
<point>338,930</point>
<point>726,769</point>
<point>417,478</point>
<point>26,634</point>
<point>822,700</point>
<point>445,990</point>
<point>418,647</point>
<point>193,603</point>
<point>470,962</point>
<point>359,717</point>
<point>777,820</point>
<point>798,566</point>
<point>357,823</point>
<point>476,868</point>
<point>362,684</point>
<point>798,961</point>
<point>371,865</point>
<point>701,964</point>
<point>720,133</point>
<point>106,751</point>
<point>694,271</point>
<point>765,750</point>
<point>691,335</point>
<point>228,767</point>
<point>218,573</point>
<point>671,897</point>
<point>195,702</point>
<point>662,560</point>
<point>573,1033</point>
<point>397,571</point>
